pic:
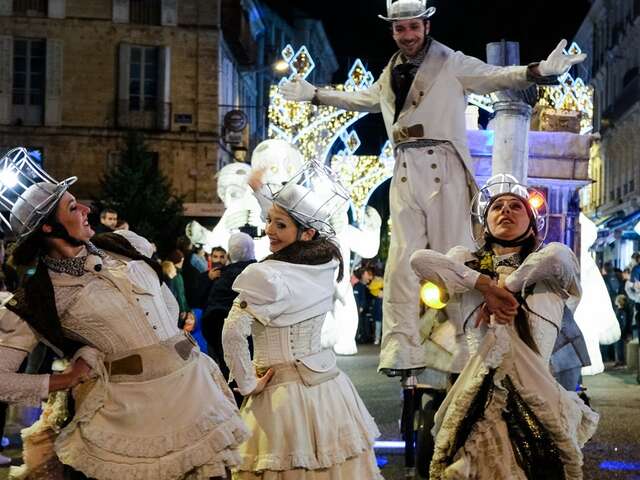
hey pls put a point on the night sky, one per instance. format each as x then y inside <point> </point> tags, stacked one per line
<point>355,30</point>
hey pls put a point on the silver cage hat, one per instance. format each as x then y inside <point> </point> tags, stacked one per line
<point>501,184</point>
<point>313,196</point>
<point>407,10</point>
<point>27,192</point>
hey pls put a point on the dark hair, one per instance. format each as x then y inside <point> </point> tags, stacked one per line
<point>521,322</point>
<point>105,211</point>
<point>175,256</point>
<point>218,249</point>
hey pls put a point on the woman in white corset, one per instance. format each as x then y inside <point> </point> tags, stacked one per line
<point>506,417</point>
<point>306,419</point>
<point>148,404</point>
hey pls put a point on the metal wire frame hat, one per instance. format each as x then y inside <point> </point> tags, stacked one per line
<point>407,10</point>
<point>502,184</point>
<point>28,194</point>
<point>312,197</point>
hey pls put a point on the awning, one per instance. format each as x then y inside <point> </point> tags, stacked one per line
<point>623,223</point>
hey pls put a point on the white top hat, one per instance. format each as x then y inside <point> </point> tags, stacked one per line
<point>29,192</point>
<point>407,10</point>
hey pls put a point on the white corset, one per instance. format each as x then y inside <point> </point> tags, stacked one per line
<point>275,345</point>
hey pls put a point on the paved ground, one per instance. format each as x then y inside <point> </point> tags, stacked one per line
<point>614,452</point>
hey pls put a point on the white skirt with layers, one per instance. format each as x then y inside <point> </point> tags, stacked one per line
<point>176,420</point>
<point>487,452</point>
<point>323,432</point>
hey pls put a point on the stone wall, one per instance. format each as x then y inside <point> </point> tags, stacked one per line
<point>86,132</point>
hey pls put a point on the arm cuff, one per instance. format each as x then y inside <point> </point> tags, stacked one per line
<point>537,79</point>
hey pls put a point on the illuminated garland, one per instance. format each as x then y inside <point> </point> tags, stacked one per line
<point>315,129</point>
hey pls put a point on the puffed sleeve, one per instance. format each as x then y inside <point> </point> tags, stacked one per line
<point>263,292</point>
<point>141,244</point>
<point>554,264</point>
<point>236,329</point>
<point>16,341</point>
<point>447,270</point>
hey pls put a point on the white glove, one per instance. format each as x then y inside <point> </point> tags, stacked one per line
<point>557,63</point>
<point>298,90</point>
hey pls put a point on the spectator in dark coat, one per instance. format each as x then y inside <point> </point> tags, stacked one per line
<point>221,296</point>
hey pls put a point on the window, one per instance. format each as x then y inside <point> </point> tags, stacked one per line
<point>146,12</point>
<point>29,60</point>
<point>143,79</point>
<point>31,8</point>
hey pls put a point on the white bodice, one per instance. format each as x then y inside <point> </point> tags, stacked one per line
<point>276,345</point>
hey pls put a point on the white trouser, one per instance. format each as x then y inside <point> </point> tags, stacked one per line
<point>429,201</point>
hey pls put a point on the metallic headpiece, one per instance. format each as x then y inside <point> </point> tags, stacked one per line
<point>312,197</point>
<point>407,10</point>
<point>503,184</point>
<point>28,192</point>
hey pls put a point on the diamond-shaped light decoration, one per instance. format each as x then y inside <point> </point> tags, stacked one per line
<point>287,53</point>
<point>302,64</point>
<point>352,142</point>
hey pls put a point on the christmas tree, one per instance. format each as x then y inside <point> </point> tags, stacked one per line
<point>141,194</point>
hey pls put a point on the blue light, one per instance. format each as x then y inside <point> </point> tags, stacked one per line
<point>382,461</point>
<point>620,466</point>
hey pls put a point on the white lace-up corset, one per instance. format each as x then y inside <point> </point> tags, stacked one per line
<point>276,345</point>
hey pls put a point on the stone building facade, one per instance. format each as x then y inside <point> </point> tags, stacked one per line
<point>610,34</point>
<point>77,74</point>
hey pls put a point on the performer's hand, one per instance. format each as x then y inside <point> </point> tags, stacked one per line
<point>298,90</point>
<point>262,382</point>
<point>557,63</point>
<point>77,373</point>
<point>499,301</point>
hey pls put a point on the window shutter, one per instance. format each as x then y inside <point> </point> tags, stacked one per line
<point>164,88</point>
<point>124,60</point>
<point>6,8</point>
<point>53,89</point>
<point>169,13</point>
<point>120,11</point>
<point>6,78</point>
<point>56,8</point>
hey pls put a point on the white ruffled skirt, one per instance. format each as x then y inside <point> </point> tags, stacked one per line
<point>177,420</point>
<point>487,452</point>
<point>323,432</point>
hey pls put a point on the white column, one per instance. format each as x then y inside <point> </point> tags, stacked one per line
<point>511,121</point>
<point>511,139</point>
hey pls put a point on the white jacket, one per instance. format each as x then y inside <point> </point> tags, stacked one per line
<point>437,98</point>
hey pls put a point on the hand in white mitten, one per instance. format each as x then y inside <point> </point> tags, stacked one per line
<point>557,63</point>
<point>298,90</point>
